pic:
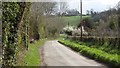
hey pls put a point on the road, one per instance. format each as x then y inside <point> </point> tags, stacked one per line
<point>55,54</point>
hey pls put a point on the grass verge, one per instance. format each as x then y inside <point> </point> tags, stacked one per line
<point>102,56</point>
<point>32,56</point>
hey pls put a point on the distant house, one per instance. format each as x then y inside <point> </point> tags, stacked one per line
<point>72,12</point>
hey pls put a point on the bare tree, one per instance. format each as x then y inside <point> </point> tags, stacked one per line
<point>62,7</point>
<point>54,25</point>
<point>42,22</point>
<point>38,12</point>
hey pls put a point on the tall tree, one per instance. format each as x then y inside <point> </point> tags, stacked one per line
<point>62,7</point>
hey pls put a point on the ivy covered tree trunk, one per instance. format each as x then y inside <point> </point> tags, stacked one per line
<point>12,15</point>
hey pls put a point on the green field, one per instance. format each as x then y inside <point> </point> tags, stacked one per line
<point>72,20</point>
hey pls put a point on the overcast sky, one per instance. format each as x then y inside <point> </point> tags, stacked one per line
<point>97,5</point>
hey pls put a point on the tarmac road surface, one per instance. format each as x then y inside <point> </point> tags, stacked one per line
<point>55,54</point>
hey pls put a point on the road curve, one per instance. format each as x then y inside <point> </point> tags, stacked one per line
<point>55,54</point>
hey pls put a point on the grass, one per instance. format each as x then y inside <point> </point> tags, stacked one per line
<point>104,47</point>
<point>32,57</point>
<point>72,20</point>
<point>102,56</point>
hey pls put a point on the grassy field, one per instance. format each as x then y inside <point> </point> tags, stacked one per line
<point>72,20</point>
<point>32,56</point>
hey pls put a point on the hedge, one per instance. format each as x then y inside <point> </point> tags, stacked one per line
<point>94,53</point>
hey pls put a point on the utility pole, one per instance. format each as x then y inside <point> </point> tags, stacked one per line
<point>81,17</point>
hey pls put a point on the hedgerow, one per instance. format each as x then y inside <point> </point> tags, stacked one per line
<point>107,44</point>
<point>94,53</point>
<point>14,30</point>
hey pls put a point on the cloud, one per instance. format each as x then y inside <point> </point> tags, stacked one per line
<point>97,5</point>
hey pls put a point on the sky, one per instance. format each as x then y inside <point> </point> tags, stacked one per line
<point>96,5</point>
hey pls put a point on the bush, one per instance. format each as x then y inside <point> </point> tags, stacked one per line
<point>100,41</point>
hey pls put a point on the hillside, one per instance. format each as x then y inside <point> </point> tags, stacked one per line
<point>73,20</point>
